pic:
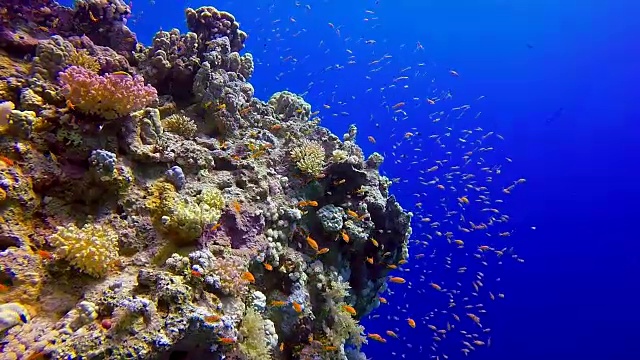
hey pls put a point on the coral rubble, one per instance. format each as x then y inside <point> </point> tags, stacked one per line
<point>150,205</point>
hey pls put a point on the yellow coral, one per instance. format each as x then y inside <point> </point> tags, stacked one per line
<point>184,219</point>
<point>309,157</point>
<point>91,249</point>
<point>3,195</point>
<point>181,125</point>
<point>82,58</point>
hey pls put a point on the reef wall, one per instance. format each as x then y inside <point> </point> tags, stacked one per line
<point>150,205</point>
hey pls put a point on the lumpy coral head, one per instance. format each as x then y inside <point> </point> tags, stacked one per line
<point>110,96</point>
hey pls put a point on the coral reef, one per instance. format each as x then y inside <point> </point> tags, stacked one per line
<point>151,206</point>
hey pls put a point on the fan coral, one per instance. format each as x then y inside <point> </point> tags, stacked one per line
<point>111,96</point>
<point>309,157</point>
<point>91,249</point>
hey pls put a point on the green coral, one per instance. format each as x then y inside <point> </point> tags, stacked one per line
<point>309,157</point>
<point>254,345</point>
<point>92,249</point>
<point>183,218</point>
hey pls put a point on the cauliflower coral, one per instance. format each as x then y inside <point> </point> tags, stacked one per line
<point>110,96</point>
<point>91,249</point>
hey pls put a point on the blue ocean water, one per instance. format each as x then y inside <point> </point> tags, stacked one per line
<point>559,82</point>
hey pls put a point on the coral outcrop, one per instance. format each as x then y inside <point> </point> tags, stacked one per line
<point>150,205</point>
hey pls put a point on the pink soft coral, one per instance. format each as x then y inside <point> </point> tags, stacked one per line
<point>110,96</point>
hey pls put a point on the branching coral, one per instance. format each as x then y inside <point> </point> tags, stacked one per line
<point>91,249</point>
<point>110,96</point>
<point>309,157</point>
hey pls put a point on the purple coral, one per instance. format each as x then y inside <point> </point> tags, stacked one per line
<point>111,96</point>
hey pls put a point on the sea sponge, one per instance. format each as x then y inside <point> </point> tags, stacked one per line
<point>91,249</point>
<point>309,157</point>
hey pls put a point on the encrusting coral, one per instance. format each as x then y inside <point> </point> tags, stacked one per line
<point>213,223</point>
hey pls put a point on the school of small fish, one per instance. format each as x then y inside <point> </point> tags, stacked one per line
<point>457,184</point>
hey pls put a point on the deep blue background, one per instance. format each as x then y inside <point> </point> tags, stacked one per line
<point>575,296</point>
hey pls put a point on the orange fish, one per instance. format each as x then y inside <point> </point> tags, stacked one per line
<point>297,307</point>
<point>397,280</point>
<point>411,322</point>
<point>236,206</point>
<point>382,300</point>
<point>216,226</point>
<point>45,255</point>
<point>370,260</point>
<point>196,273</point>
<point>323,251</point>
<point>349,309</point>
<point>377,337</point>
<point>372,139</point>
<point>345,236</point>
<point>312,243</point>
<point>398,105</point>
<point>392,334</point>
<point>227,340</point>
<point>402,262</point>
<point>92,17</point>
<point>3,288</point>
<point>352,213</point>
<point>277,303</point>
<point>249,277</point>
<point>267,266</point>
<point>212,318</point>
<point>312,203</point>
